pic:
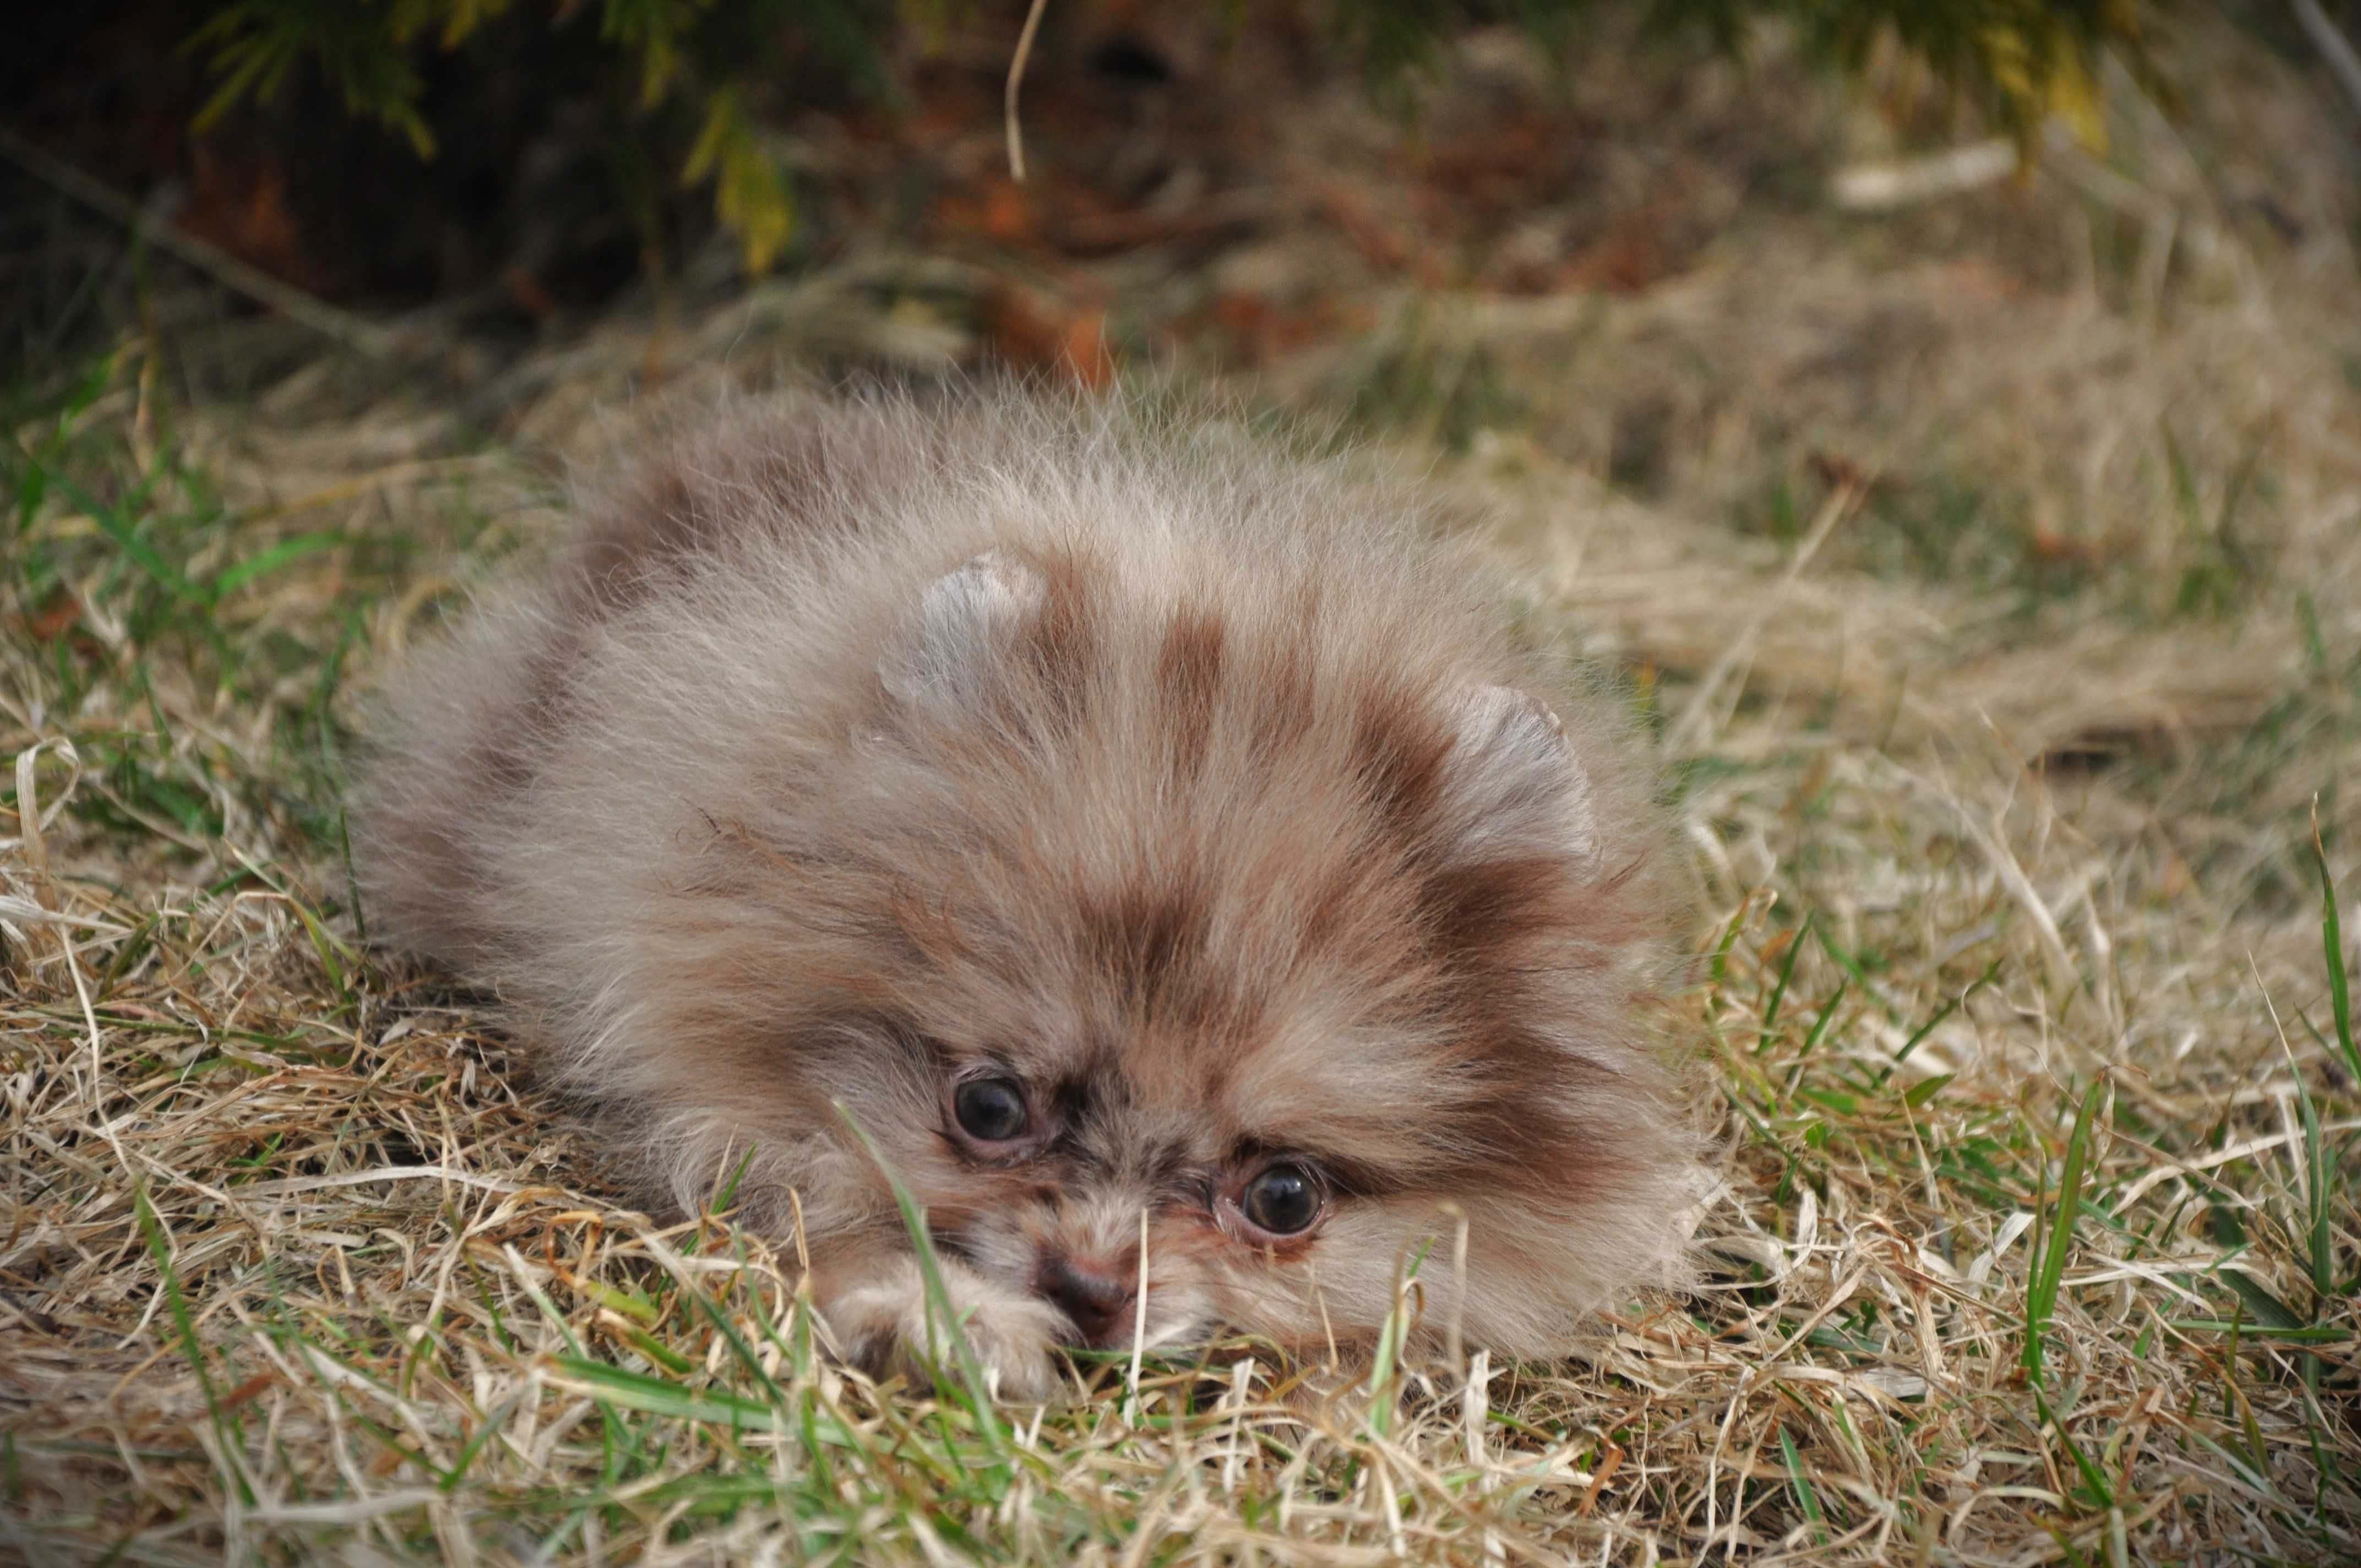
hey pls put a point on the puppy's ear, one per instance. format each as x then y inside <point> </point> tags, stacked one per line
<point>1513,782</point>
<point>960,628</point>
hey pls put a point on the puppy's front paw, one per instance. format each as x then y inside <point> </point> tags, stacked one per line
<point>882,1323</point>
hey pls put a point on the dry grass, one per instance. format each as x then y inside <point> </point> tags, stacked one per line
<point>2040,1240</point>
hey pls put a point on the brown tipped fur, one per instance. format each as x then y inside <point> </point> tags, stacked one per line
<point>851,753</point>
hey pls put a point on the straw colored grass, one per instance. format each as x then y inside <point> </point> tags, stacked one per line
<point>2038,1240</point>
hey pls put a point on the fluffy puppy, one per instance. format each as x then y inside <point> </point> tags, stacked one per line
<point>1116,822</point>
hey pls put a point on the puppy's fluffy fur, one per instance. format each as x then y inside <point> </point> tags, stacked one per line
<point>1180,796</point>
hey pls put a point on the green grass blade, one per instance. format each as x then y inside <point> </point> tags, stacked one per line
<point>1919,1037</point>
<point>325,946</point>
<point>1846,962</point>
<point>656,1350</point>
<point>2331,939</point>
<point>1786,973</point>
<point>712,1314</point>
<point>656,1396</point>
<point>2101,1495</point>
<point>151,1231</point>
<point>261,564</point>
<point>110,522</point>
<point>2041,1289</point>
<point>1392,1334</point>
<point>485,1429</point>
<point>1719,969</point>
<point>2297,1334</point>
<point>938,1299</point>
<point>1806,1497</point>
<point>1828,1015</point>
<point>1917,1094</point>
<point>2318,1178</point>
<point>728,1194</point>
<point>2271,1313</point>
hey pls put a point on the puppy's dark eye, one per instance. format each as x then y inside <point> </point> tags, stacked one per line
<point>990,1109</point>
<point>1283,1200</point>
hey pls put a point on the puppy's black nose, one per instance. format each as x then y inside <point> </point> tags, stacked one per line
<point>1096,1300</point>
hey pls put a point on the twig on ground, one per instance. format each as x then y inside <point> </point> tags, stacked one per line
<point>1015,82</point>
<point>1885,187</point>
<point>322,317</point>
<point>2343,63</point>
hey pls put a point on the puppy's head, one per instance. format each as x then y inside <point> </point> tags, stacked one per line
<point>1227,932</point>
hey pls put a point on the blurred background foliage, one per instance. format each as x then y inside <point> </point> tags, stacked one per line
<point>683,101</point>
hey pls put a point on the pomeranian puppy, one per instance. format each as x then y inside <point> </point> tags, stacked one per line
<point>1160,849</point>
